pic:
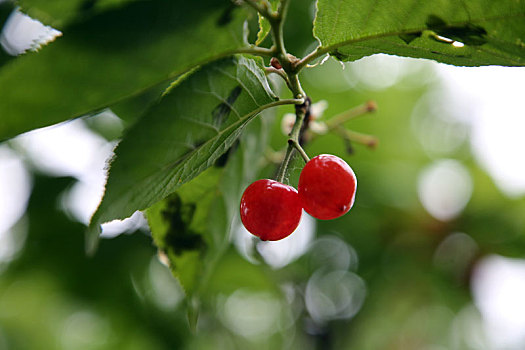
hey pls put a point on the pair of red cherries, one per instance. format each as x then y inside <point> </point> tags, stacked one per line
<point>271,210</point>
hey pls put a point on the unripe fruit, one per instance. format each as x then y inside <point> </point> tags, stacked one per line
<point>327,187</point>
<point>270,210</point>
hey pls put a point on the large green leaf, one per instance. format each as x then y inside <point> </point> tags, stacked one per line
<point>193,225</point>
<point>179,226</point>
<point>130,109</point>
<point>492,32</point>
<point>184,134</point>
<point>112,56</point>
<point>60,12</point>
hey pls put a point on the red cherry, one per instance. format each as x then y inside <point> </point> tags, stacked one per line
<point>270,210</point>
<point>327,187</point>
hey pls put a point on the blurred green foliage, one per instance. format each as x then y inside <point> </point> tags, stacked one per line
<point>53,296</point>
<point>408,273</point>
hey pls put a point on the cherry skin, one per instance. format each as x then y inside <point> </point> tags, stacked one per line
<point>327,187</point>
<point>270,210</point>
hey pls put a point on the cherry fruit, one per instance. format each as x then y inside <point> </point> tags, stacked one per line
<point>270,210</point>
<point>327,187</point>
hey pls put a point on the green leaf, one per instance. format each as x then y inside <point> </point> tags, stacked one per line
<point>185,133</point>
<point>264,24</point>
<point>57,13</point>
<point>177,224</point>
<point>490,32</point>
<point>193,225</point>
<point>134,107</point>
<point>113,56</point>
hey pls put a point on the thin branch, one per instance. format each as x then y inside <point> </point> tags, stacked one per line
<point>257,51</point>
<point>290,101</point>
<point>279,72</point>
<point>309,58</point>
<point>318,52</point>
<point>276,24</point>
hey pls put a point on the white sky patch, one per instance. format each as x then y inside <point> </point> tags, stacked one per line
<point>135,222</point>
<point>15,188</point>
<point>22,33</point>
<point>67,149</point>
<point>498,286</point>
<point>71,149</point>
<point>492,99</point>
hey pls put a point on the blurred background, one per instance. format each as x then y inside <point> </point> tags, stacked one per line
<point>430,257</point>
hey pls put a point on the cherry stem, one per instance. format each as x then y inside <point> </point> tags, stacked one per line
<point>284,165</point>
<point>288,63</point>
<point>299,149</point>
<point>293,140</point>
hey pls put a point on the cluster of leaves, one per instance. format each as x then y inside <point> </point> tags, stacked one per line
<point>187,69</point>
